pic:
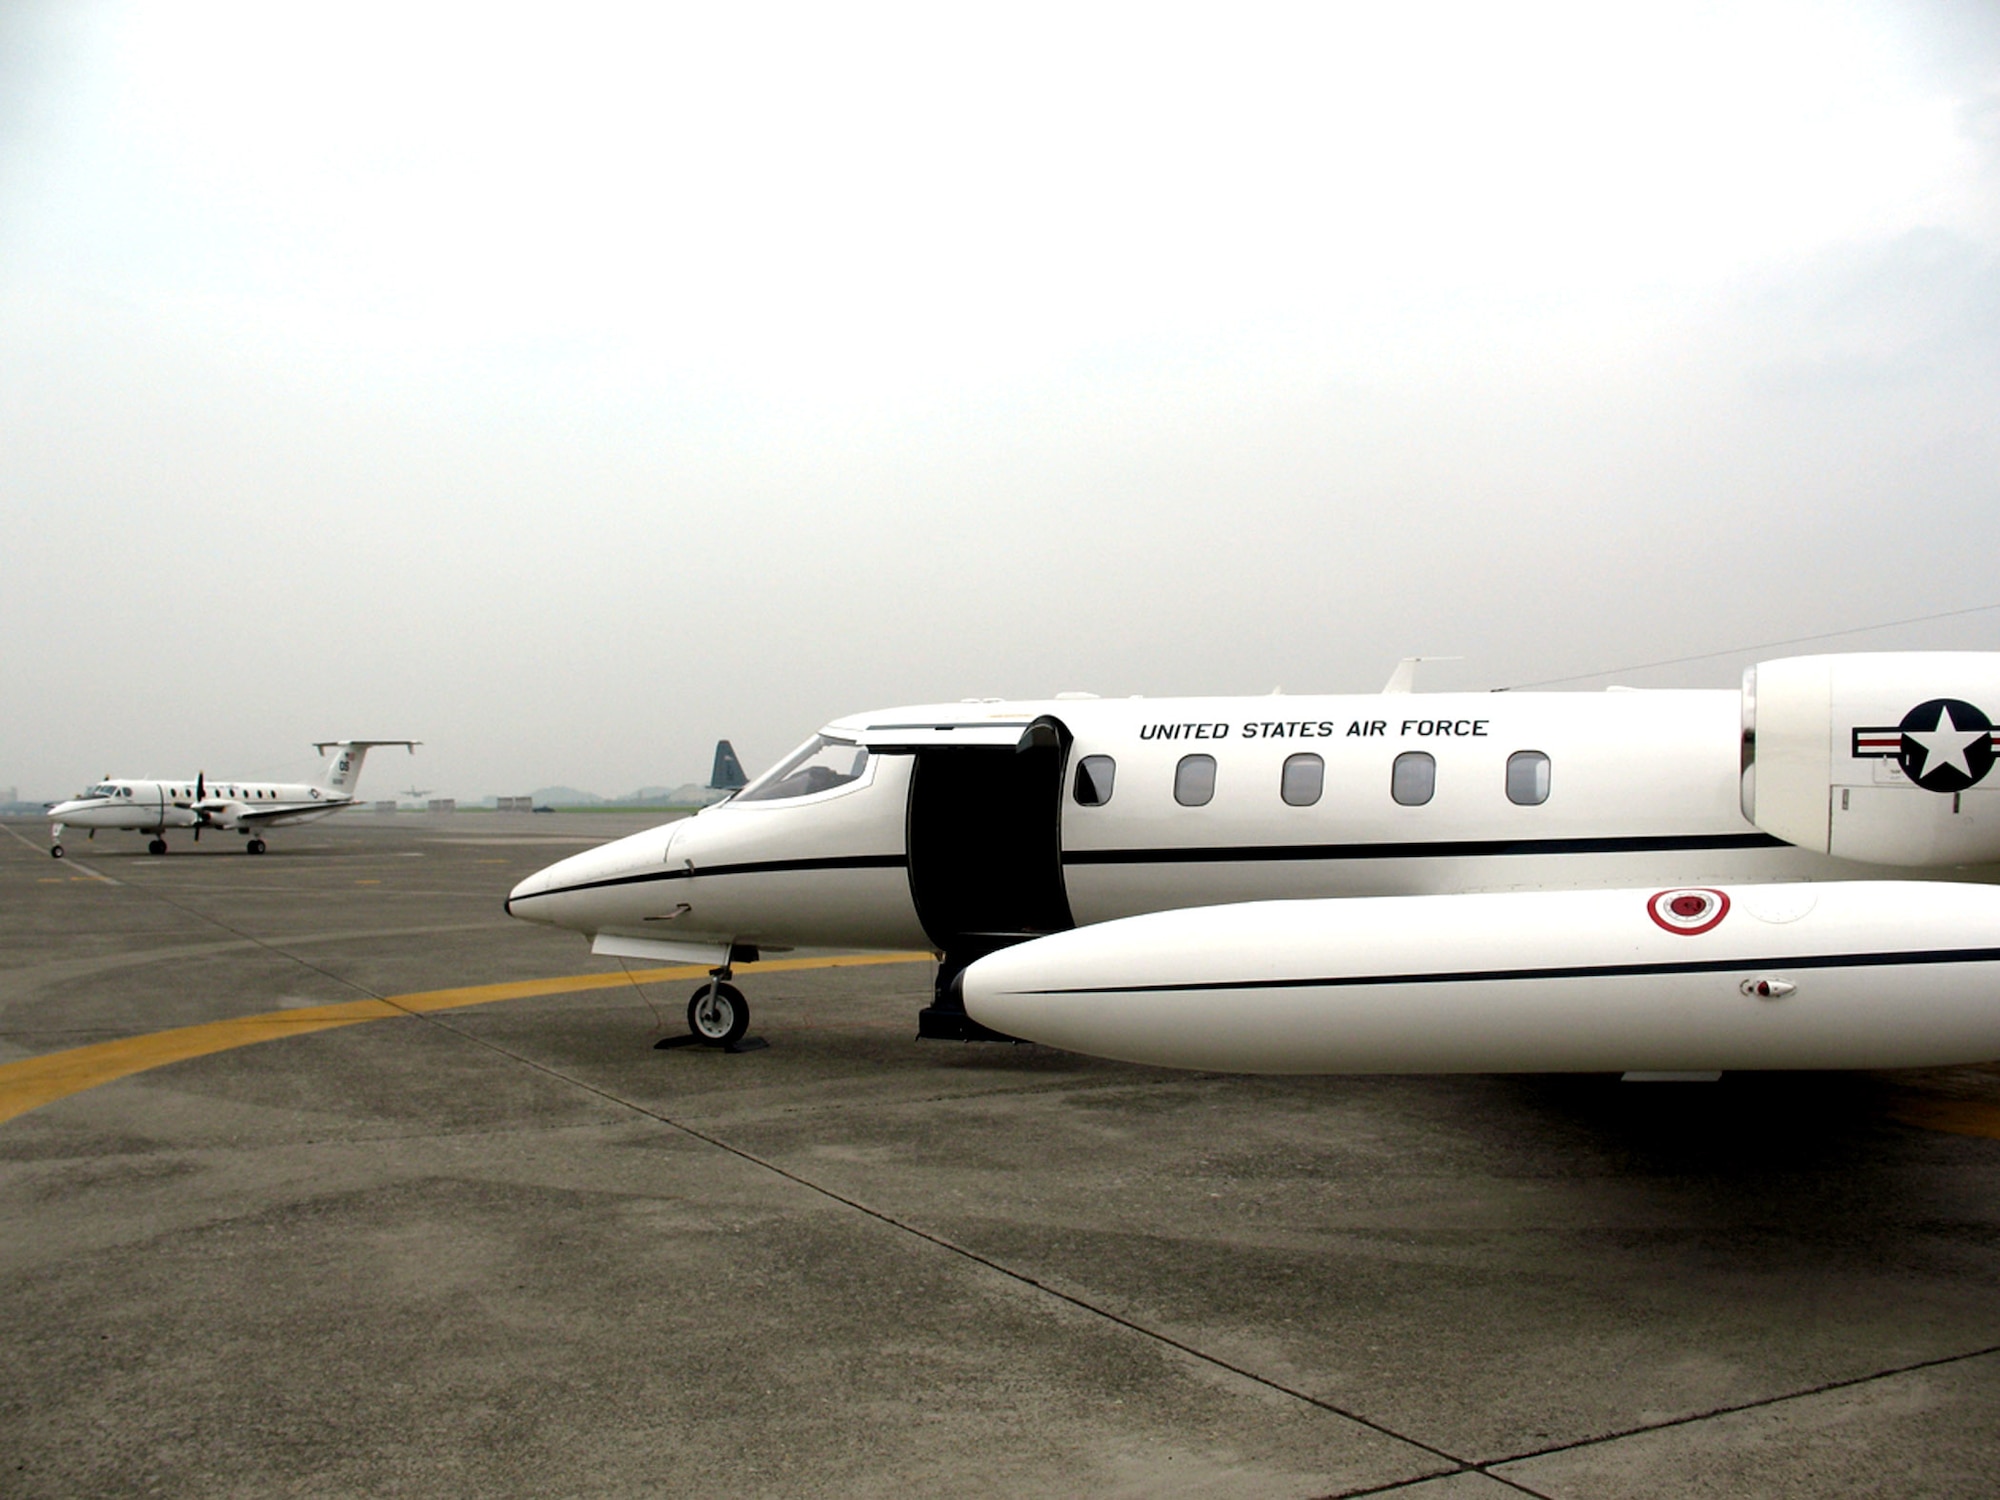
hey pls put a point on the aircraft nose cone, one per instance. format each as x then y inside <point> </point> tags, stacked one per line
<point>533,885</point>
<point>586,890</point>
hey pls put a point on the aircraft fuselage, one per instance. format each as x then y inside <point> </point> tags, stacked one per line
<point>952,837</point>
<point>144,805</point>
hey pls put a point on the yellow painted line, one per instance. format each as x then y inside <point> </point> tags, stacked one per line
<point>1952,1116</point>
<point>34,1081</point>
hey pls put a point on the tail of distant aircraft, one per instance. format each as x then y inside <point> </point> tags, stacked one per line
<point>343,767</point>
<point>728,773</point>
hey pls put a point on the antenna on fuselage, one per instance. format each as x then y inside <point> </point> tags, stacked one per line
<point>1404,678</point>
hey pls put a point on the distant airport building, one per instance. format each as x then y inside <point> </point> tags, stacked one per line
<point>382,807</point>
<point>444,804</point>
<point>513,804</point>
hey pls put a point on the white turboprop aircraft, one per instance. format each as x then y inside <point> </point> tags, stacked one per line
<point>1659,882</point>
<point>145,805</point>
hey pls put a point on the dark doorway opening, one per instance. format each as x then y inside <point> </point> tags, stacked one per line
<point>985,841</point>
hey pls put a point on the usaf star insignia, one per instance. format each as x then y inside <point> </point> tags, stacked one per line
<point>1944,745</point>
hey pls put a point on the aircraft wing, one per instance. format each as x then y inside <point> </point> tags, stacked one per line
<point>272,815</point>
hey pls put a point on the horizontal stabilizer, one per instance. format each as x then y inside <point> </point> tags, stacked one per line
<point>343,769</point>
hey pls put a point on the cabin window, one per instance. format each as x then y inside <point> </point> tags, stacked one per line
<point>1528,778</point>
<point>1194,780</point>
<point>1094,775</point>
<point>819,765</point>
<point>1414,778</point>
<point>1301,780</point>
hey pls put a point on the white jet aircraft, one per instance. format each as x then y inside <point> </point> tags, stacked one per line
<point>145,805</point>
<point>1796,875</point>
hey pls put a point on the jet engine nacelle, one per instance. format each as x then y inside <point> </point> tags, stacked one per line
<point>1881,757</point>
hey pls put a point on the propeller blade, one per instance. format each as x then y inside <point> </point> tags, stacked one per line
<point>200,785</point>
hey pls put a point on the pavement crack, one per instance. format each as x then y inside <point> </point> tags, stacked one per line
<point>937,1241</point>
<point>1413,1480</point>
<point>1486,1466</point>
<point>1457,1463</point>
<point>1052,1086</point>
<point>1780,1399</point>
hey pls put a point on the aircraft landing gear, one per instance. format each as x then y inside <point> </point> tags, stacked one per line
<point>718,1015</point>
<point>255,846</point>
<point>157,846</point>
<point>55,851</point>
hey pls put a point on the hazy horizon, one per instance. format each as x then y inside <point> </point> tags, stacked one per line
<point>571,391</point>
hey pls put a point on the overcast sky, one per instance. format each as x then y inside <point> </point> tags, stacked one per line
<point>568,387</point>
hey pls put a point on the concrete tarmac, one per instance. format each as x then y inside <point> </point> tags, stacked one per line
<point>510,1248</point>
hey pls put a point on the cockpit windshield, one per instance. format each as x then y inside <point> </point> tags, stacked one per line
<point>102,789</point>
<point>818,765</point>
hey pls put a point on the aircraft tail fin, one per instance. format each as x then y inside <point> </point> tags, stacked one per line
<point>343,767</point>
<point>728,773</point>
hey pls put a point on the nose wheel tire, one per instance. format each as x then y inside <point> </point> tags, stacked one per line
<point>719,1015</point>
<point>255,846</point>
<point>55,851</point>
<point>157,846</point>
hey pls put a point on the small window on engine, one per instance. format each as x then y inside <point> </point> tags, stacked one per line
<point>1301,780</point>
<point>1194,780</point>
<point>1094,775</point>
<point>1414,778</point>
<point>1528,778</point>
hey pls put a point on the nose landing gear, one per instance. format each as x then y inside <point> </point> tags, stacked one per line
<point>717,1016</point>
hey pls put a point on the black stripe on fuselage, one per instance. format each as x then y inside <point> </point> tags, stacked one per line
<point>1575,971</point>
<point>756,867</point>
<point>1243,853</point>
<point>1440,849</point>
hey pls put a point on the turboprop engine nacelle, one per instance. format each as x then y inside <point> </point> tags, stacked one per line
<point>1881,757</point>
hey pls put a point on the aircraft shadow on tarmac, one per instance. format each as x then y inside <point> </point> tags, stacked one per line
<point>1808,1159</point>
